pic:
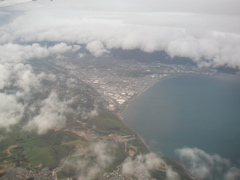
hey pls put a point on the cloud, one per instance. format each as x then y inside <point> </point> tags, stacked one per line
<point>11,110</point>
<point>16,53</point>
<point>19,76</point>
<point>171,175</point>
<point>51,115</point>
<point>18,82</point>
<point>49,77</point>
<point>206,166</point>
<point>232,174</point>
<point>189,31</point>
<point>96,48</point>
<point>98,158</point>
<point>25,79</point>
<point>142,166</point>
<point>199,6</point>
<point>4,75</point>
<point>101,155</point>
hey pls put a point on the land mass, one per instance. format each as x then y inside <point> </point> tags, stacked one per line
<point>97,92</point>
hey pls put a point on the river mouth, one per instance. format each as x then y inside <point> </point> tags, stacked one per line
<point>189,111</point>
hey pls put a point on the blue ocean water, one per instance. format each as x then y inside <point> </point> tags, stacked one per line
<point>189,111</point>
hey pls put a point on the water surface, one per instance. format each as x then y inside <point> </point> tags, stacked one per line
<point>189,111</point>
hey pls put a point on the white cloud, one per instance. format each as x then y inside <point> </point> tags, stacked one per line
<point>197,35</point>
<point>199,6</point>
<point>141,166</point>
<point>171,175</point>
<point>99,157</point>
<point>15,53</point>
<point>18,81</point>
<point>62,48</point>
<point>232,174</point>
<point>96,48</point>
<point>207,166</point>
<point>11,110</point>
<point>20,76</point>
<point>76,48</point>
<point>18,53</point>
<point>51,115</point>
<point>25,79</point>
<point>4,75</point>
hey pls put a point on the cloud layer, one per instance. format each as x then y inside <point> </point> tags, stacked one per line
<point>15,53</point>
<point>198,30</point>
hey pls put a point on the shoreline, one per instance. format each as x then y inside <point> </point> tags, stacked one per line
<point>126,105</point>
<point>137,134</point>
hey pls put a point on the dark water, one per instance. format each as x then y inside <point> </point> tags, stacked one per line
<point>189,111</point>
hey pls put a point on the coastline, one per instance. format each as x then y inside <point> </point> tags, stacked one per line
<point>137,134</point>
<point>126,105</point>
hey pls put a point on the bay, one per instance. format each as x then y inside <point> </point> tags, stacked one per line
<point>189,111</point>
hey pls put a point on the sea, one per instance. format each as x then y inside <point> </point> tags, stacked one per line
<point>195,111</point>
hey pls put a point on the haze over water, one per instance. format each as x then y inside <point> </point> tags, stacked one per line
<point>189,111</point>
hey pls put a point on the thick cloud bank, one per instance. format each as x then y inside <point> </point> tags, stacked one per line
<point>207,32</point>
<point>206,166</point>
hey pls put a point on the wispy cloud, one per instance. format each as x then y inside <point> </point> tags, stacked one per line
<point>99,157</point>
<point>141,166</point>
<point>51,115</point>
<point>11,110</point>
<point>207,166</point>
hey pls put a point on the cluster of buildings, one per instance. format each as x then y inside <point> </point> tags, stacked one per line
<point>23,173</point>
<point>118,81</point>
<point>115,175</point>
